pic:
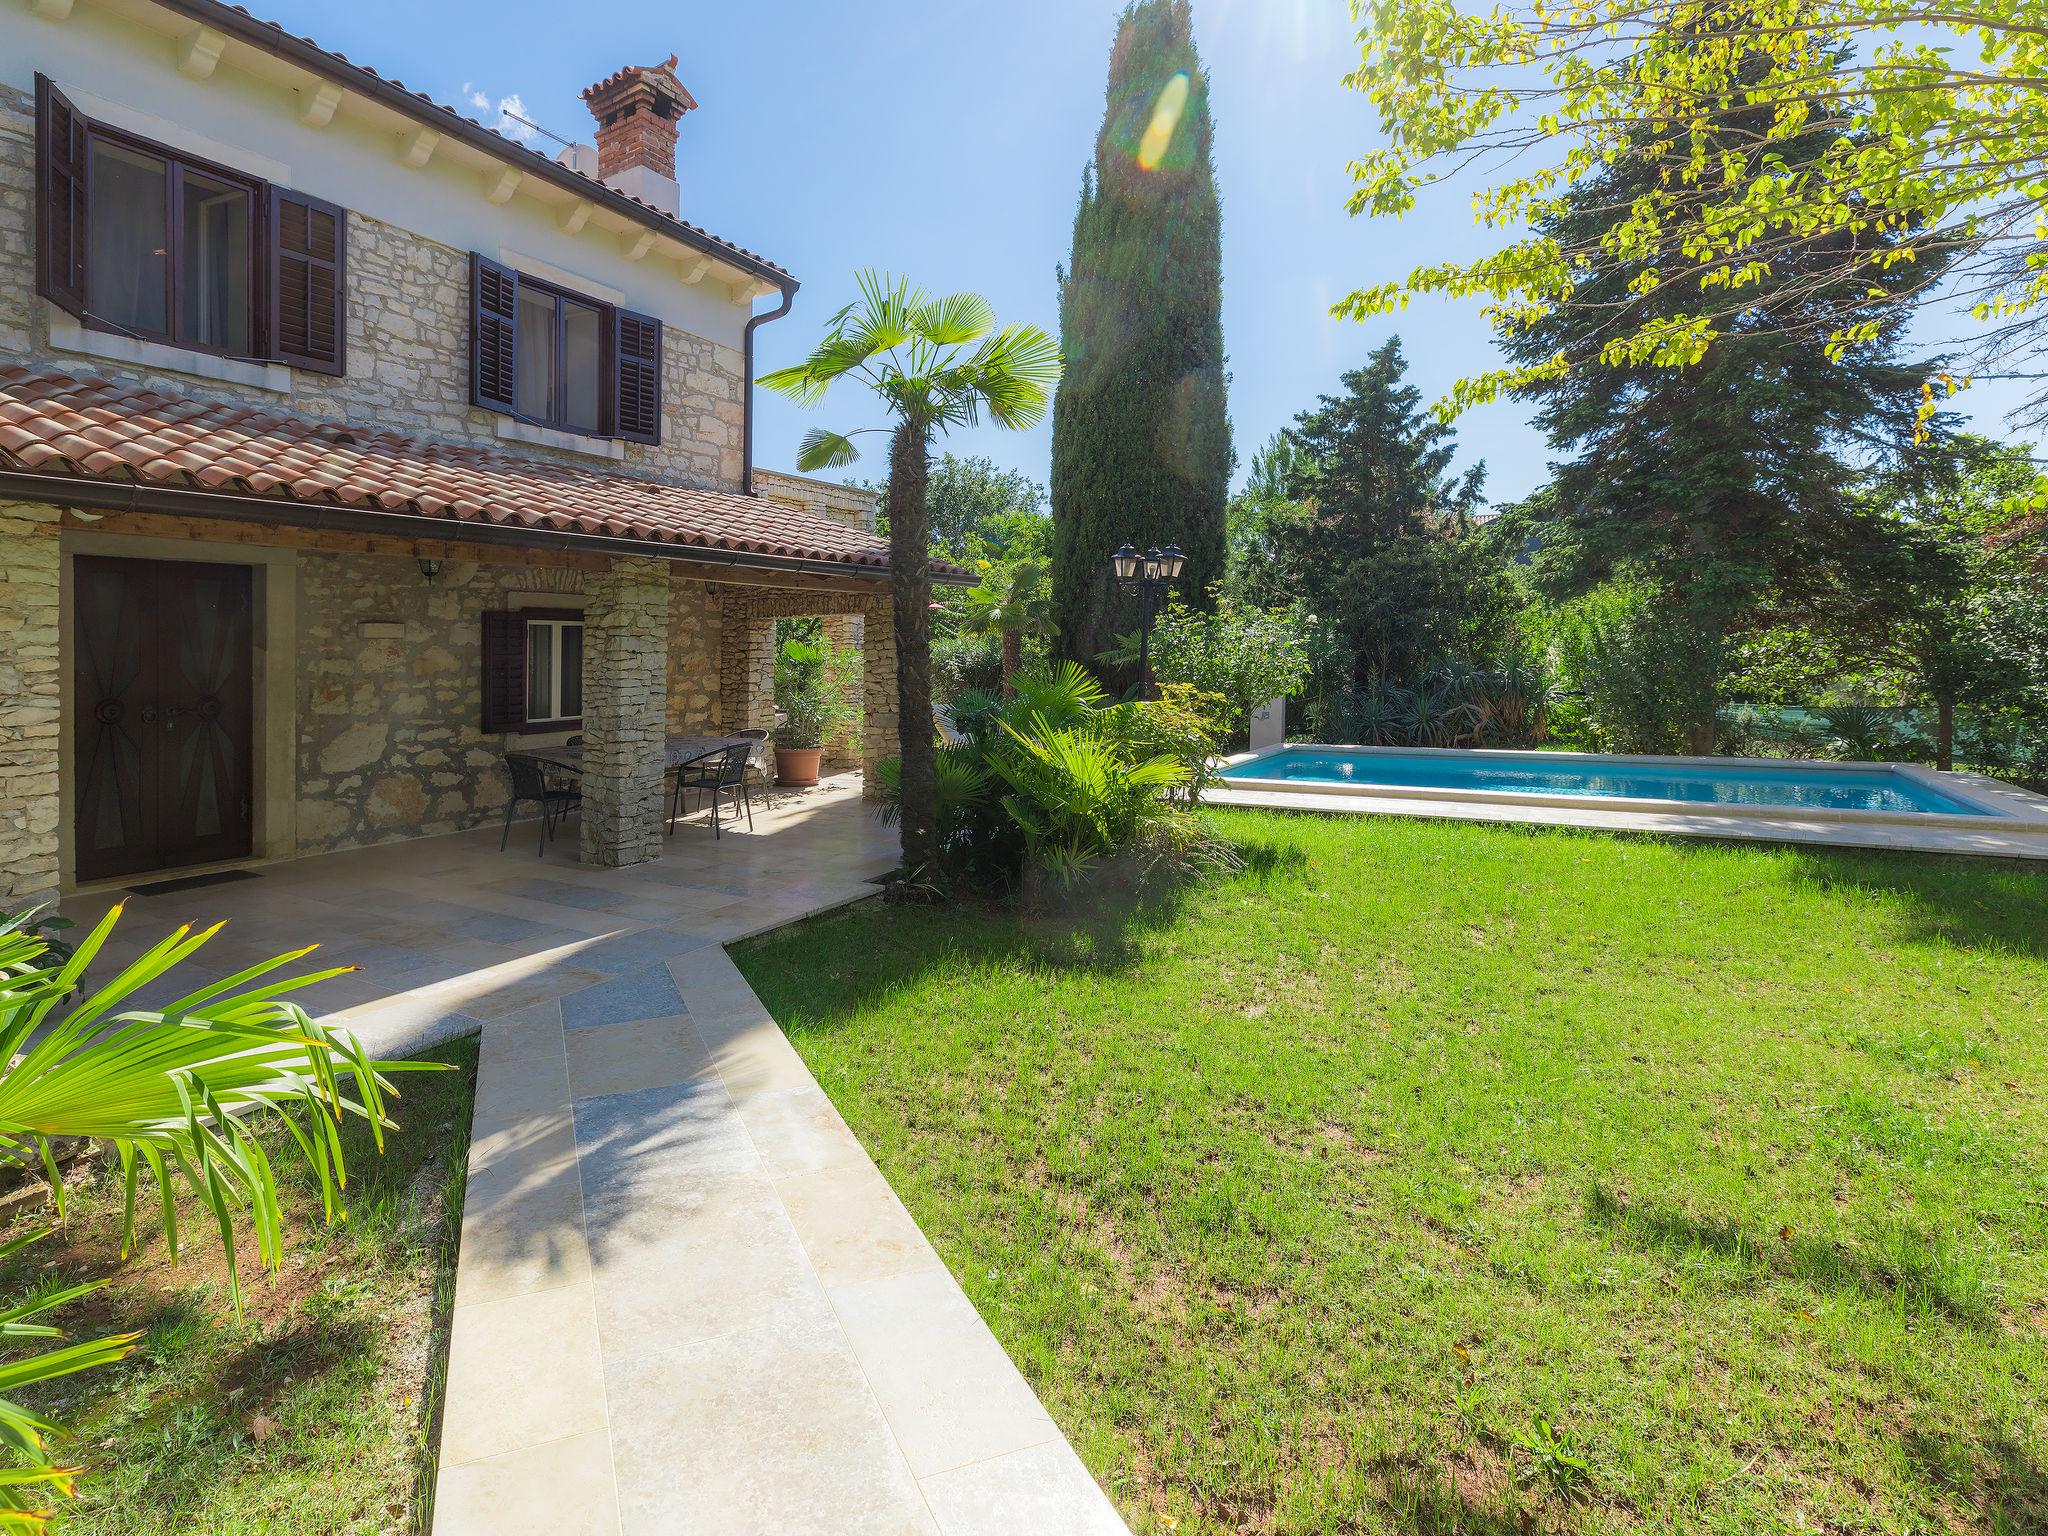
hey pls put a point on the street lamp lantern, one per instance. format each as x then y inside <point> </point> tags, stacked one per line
<point>1147,578</point>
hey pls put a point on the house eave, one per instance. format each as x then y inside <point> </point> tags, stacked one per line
<point>133,496</point>
<point>275,41</point>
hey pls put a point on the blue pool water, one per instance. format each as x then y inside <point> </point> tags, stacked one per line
<point>1817,789</point>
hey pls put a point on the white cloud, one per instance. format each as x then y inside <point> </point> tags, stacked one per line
<point>504,107</point>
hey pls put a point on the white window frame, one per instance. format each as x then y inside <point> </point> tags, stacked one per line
<point>556,628</point>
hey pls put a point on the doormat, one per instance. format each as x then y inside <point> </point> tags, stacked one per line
<point>190,883</point>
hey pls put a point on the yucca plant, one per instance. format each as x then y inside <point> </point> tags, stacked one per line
<point>169,1089</point>
<point>166,1087</point>
<point>28,1491</point>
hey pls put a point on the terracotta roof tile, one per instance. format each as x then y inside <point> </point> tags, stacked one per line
<point>96,428</point>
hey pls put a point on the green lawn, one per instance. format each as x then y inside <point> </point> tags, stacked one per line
<point>312,1412</point>
<point>1380,1187</point>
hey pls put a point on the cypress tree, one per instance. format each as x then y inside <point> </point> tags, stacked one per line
<point>1141,431</point>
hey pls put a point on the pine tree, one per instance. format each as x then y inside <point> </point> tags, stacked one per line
<point>1141,432</point>
<point>1382,547</point>
<point>1728,484</point>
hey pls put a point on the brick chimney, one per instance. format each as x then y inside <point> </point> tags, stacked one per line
<point>636,111</point>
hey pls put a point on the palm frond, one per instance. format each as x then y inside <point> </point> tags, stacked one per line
<point>825,450</point>
<point>955,320</point>
<point>1015,373</point>
<point>167,1087</point>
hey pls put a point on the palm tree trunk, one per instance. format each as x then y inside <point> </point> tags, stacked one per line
<point>1013,657</point>
<point>910,583</point>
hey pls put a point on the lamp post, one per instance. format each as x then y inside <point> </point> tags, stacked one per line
<point>1147,577</point>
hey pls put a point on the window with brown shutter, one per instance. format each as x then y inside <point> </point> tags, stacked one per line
<point>143,240</point>
<point>494,335</point>
<point>637,371</point>
<point>60,199</point>
<point>556,358</point>
<point>308,282</point>
<point>532,670</point>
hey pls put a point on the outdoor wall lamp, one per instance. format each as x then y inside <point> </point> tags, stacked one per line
<point>1146,577</point>
<point>429,569</point>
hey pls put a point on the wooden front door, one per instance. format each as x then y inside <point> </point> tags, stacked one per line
<point>163,714</point>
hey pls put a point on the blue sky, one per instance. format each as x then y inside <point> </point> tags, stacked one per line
<point>946,138</point>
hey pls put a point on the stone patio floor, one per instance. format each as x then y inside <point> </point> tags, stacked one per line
<point>687,1300</point>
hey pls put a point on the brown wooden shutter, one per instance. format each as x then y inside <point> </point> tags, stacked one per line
<point>308,282</point>
<point>494,335</point>
<point>636,414</point>
<point>60,199</point>
<point>504,680</point>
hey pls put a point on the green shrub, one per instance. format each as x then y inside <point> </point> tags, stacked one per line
<point>965,663</point>
<point>1246,655</point>
<point>817,688</point>
<point>1055,781</point>
<point>1639,678</point>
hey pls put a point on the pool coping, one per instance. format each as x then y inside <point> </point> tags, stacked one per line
<point>2014,819</point>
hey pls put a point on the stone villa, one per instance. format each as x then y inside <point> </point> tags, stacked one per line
<point>346,444</point>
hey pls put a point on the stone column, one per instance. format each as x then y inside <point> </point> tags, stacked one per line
<point>746,669</point>
<point>844,631</point>
<point>878,697</point>
<point>625,711</point>
<point>29,723</point>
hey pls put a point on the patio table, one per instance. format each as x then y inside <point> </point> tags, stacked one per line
<point>677,751</point>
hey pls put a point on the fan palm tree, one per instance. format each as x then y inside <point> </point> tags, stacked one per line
<point>937,363</point>
<point>1012,602</point>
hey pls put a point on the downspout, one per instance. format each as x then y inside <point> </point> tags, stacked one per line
<point>747,400</point>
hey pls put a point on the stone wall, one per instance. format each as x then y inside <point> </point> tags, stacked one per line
<point>408,345</point>
<point>390,734</point>
<point>847,504</point>
<point>30,801</point>
<point>695,625</point>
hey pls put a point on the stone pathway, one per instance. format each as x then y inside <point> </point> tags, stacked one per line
<point>689,1302</point>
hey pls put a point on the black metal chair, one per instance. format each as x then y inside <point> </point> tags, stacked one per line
<point>530,786</point>
<point>758,752</point>
<point>699,773</point>
<point>720,775</point>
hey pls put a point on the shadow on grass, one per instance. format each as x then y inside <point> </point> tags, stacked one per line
<point>257,1376</point>
<point>1969,902</point>
<point>1425,1502</point>
<point>1992,1472</point>
<point>1917,1281</point>
<point>1098,929</point>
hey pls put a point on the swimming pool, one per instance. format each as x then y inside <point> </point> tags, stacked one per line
<point>1858,789</point>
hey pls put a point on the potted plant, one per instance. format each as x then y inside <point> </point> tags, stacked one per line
<point>817,692</point>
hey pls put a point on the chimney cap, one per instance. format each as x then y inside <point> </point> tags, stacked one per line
<point>658,80</point>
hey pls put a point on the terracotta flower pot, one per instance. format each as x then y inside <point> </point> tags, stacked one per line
<point>797,765</point>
